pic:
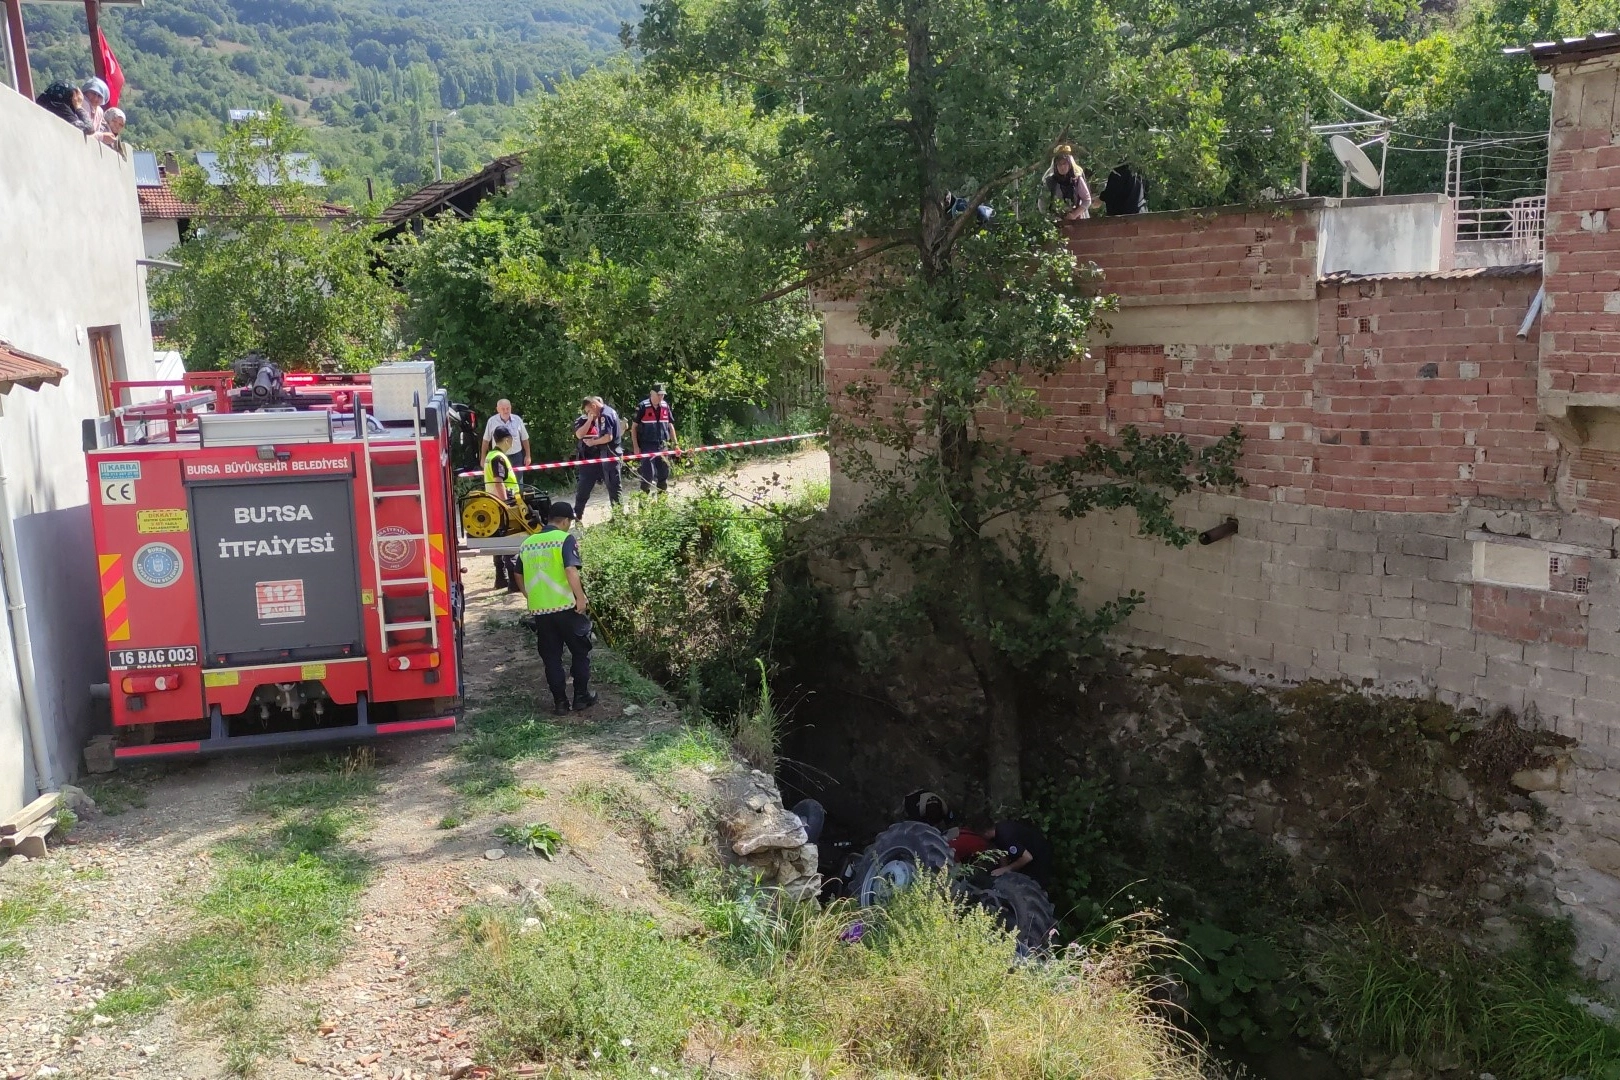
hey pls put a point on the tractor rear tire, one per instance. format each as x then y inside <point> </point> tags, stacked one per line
<point>1024,907</point>
<point>900,854</point>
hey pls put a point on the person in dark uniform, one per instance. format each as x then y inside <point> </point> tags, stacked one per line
<point>556,597</point>
<point>596,445</point>
<point>653,430</point>
<point>1024,848</point>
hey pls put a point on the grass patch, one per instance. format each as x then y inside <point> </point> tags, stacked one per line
<point>692,747</point>
<point>1515,1016</point>
<point>924,990</point>
<point>278,911</point>
<point>502,735</point>
<point>611,668</point>
<point>117,794</point>
<point>35,901</point>
<point>317,782</point>
<point>616,804</point>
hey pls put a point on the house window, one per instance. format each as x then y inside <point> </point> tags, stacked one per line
<point>107,357</point>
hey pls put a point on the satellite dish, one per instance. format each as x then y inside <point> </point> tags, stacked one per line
<point>1357,165</point>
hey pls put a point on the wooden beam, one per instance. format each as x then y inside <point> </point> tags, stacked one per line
<point>92,16</point>
<point>21,77</point>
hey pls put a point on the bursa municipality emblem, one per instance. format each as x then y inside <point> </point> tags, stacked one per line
<point>158,566</point>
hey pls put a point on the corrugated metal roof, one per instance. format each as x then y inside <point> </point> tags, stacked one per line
<point>1604,41</point>
<point>424,197</point>
<point>1515,270</point>
<point>18,368</point>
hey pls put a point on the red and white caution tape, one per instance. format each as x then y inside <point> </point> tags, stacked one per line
<point>576,462</point>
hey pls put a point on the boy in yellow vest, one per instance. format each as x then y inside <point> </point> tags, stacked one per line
<point>501,480</point>
<point>551,583</point>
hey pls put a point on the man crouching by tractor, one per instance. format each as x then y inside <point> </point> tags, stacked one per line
<point>551,583</point>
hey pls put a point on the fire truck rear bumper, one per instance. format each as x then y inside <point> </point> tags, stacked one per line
<point>222,743</point>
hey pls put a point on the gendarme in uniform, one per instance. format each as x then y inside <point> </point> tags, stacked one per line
<point>546,558</point>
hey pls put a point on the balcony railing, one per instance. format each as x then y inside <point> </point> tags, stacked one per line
<point>1517,229</point>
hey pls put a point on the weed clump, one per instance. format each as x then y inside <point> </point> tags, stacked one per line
<point>1431,999</point>
<point>919,989</point>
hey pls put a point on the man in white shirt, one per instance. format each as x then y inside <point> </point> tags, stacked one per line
<point>512,422</point>
<point>517,454</point>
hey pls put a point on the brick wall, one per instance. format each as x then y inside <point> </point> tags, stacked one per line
<point>1405,524</point>
<point>1205,256</point>
<point>1582,320</point>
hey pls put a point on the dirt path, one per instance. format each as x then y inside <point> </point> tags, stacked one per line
<point>757,478</point>
<point>382,1011</point>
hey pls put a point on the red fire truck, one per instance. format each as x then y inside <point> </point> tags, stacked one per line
<point>278,558</point>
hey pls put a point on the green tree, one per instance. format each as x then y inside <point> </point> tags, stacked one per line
<point>891,107</point>
<point>631,252</point>
<point>263,273</point>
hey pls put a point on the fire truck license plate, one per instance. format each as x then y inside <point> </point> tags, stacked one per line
<point>166,656</point>
<point>279,599</point>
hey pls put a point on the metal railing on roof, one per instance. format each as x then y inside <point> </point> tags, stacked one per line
<point>1522,224</point>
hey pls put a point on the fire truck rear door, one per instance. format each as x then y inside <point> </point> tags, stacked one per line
<point>279,570</point>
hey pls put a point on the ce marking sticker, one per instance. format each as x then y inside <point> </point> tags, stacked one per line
<point>117,492</point>
<point>117,480</point>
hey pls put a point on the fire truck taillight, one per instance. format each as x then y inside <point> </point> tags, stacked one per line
<point>413,661</point>
<point>149,682</point>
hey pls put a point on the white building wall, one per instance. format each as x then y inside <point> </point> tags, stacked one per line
<point>159,236</point>
<point>70,235</point>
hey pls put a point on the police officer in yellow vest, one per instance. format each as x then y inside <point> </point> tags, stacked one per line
<point>551,582</point>
<point>501,481</point>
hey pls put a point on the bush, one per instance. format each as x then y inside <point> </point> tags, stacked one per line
<point>681,589</point>
<point>1245,732</point>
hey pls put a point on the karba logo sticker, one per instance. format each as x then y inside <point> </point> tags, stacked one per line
<point>158,566</point>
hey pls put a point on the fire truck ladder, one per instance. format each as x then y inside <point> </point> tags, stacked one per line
<point>419,493</point>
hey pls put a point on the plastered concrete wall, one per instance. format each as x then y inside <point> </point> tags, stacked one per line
<point>159,237</point>
<point>70,235</point>
<point>1390,235</point>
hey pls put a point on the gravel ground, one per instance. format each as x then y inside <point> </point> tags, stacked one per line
<point>381,1012</point>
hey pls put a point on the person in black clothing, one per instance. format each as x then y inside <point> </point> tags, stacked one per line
<point>1025,849</point>
<point>652,431</point>
<point>66,101</point>
<point>1125,192</point>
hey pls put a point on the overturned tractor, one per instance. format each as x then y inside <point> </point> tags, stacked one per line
<point>911,850</point>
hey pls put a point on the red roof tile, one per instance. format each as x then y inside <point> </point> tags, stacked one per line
<point>25,369</point>
<point>161,203</point>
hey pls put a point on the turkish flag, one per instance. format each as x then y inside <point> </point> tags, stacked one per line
<point>115,74</point>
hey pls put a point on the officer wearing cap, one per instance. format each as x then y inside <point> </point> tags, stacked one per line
<point>556,597</point>
<point>653,430</point>
<point>501,480</point>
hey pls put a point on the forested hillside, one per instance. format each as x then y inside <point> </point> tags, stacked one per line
<point>366,76</point>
